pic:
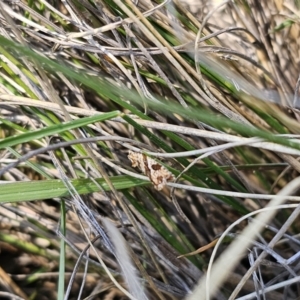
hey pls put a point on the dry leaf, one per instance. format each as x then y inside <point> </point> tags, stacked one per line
<point>200,250</point>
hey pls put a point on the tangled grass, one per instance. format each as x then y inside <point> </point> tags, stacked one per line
<point>204,97</point>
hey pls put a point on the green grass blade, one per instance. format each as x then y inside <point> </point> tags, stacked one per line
<point>54,129</point>
<point>47,189</point>
<point>62,256</point>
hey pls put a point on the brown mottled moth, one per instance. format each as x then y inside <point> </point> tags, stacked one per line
<point>158,174</point>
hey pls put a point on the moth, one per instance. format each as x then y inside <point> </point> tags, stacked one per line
<point>158,174</point>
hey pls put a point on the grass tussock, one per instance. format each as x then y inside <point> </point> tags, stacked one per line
<point>149,150</point>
